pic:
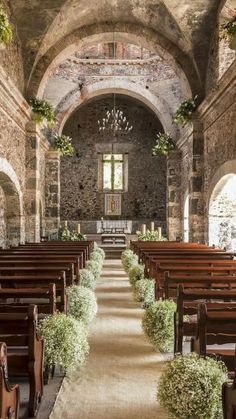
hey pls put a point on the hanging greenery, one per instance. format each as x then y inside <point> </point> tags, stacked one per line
<point>228,30</point>
<point>164,144</point>
<point>184,112</point>
<point>42,110</point>
<point>63,144</point>
<point>5,28</point>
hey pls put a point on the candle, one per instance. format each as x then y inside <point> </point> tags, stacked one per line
<point>159,232</point>
<point>65,224</point>
<point>78,228</point>
<point>143,229</point>
<point>152,226</point>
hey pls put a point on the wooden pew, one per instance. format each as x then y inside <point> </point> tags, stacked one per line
<point>188,301</point>
<point>10,395</point>
<point>33,281</point>
<point>229,397</point>
<point>25,351</point>
<point>215,328</point>
<point>24,297</point>
<point>209,281</point>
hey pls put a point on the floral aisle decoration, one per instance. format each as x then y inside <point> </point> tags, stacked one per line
<point>144,291</point>
<point>42,110</point>
<point>96,256</point>
<point>164,144</point>
<point>99,250</point>
<point>87,279</point>
<point>63,144</point>
<point>82,303</point>
<point>158,324</point>
<point>5,28</point>
<point>191,387</point>
<point>184,112</point>
<point>66,341</point>
<point>94,267</point>
<point>128,259</point>
<point>136,273</point>
<point>151,236</point>
<point>228,32</point>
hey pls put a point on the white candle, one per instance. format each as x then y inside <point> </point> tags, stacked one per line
<point>65,224</point>
<point>143,229</point>
<point>78,228</point>
<point>159,232</point>
<point>152,226</point>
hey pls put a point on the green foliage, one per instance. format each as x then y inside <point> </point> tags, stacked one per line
<point>65,341</point>
<point>95,267</point>
<point>164,143</point>
<point>151,236</point>
<point>129,259</point>
<point>87,279</point>
<point>183,114</point>
<point>158,324</point>
<point>42,110</point>
<point>82,303</point>
<point>190,388</point>
<point>63,144</point>
<point>136,273</point>
<point>67,235</point>
<point>228,29</point>
<point>144,291</point>
<point>5,28</point>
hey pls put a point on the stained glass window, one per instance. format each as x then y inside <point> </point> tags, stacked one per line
<point>113,172</point>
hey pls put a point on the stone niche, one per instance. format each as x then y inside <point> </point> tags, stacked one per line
<point>81,194</point>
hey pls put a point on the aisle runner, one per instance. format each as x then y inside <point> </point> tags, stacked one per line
<point>120,378</point>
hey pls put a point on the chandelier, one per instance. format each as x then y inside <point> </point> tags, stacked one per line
<point>115,119</point>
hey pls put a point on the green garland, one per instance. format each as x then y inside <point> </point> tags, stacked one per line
<point>5,28</point>
<point>151,236</point>
<point>67,235</point>
<point>42,110</point>
<point>164,144</point>
<point>63,144</point>
<point>184,112</point>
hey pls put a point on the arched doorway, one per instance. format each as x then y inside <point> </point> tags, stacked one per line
<point>222,213</point>
<point>11,231</point>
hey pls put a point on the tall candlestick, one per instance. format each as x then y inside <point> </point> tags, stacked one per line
<point>159,232</point>
<point>143,229</point>
<point>78,228</point>
<point>152,226</point>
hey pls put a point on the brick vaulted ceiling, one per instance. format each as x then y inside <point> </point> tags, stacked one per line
<point>183,26</point>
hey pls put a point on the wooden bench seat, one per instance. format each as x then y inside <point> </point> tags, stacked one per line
<point>9,394</point>
<point>188,301</point>
<point>25,351</point>
<point>216,328</point>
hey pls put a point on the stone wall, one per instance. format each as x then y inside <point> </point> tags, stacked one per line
<point>11,57</point>
<point>2,218</point>
<point>146,196</point>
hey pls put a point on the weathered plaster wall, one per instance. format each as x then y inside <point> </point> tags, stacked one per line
<point>146,196</point>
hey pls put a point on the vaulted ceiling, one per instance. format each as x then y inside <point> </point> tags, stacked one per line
<point>183,26</point>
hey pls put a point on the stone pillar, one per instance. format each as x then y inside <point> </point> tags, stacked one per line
<point>196,178</point>
<point>174,194</point>
<point>52,193</point>
<point>32,190</point>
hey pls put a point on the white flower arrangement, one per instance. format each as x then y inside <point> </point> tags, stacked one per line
<point>82,303</point>
<point>94,267</point>
<point>144,291</point>
<point>100,251</point>
<point>136,272</point>
<point>97,257</point>
<point>190,388</point>
<point>66,341</point>
<point>128,259</point>
<point>87,279</point>
<point>158,324</point>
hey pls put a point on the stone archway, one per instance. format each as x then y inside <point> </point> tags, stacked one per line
<point>11,220</point>
<point>222,207</point>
